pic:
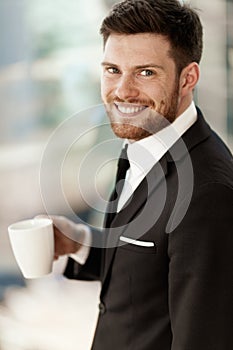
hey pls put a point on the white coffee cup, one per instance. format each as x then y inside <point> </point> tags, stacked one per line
<point>32,243</point>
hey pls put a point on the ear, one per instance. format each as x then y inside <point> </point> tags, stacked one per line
<point>189,78</point>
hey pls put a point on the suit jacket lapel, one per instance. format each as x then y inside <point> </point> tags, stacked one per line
<point>140,196</point>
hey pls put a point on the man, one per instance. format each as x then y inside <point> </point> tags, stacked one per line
<point>167,270</point>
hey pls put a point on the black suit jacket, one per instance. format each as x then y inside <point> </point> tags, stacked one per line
<point>178,294</point>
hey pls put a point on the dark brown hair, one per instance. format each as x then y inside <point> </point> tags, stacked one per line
<point>176,21</point>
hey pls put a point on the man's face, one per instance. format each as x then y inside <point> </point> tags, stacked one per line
<point>139,85</point>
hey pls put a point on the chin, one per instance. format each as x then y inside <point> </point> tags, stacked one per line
<point>126,131</point>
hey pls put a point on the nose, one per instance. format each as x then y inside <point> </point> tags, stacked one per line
<point>126,88</point>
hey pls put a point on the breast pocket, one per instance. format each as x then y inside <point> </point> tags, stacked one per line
<point>137,246</point>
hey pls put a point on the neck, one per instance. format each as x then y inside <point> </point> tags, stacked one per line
<point>185,102</point>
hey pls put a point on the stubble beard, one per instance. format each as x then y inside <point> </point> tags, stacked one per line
<point>154,120</point>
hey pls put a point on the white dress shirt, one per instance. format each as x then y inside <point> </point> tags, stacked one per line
<point>143,155</point>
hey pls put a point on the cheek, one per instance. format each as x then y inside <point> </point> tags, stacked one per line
<point>156,92</point>
<point>106,88</point>
<point>162,92</point>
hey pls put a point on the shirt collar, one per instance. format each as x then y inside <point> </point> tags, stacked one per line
<point>145,153</point>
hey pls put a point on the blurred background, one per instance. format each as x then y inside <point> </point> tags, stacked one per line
<point>50,54</point>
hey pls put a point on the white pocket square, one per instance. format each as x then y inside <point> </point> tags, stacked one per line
<point>136,242</point>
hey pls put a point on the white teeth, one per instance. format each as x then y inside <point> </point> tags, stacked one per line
<point>130,110</point>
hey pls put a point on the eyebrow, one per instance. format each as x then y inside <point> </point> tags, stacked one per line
<point>144,66</point>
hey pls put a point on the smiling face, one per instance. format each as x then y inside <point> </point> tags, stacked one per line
<point>139,84</point>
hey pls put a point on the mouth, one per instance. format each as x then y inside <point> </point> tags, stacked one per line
<point>129,109</point>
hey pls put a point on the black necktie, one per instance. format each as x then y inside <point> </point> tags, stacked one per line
<point>123,166</point>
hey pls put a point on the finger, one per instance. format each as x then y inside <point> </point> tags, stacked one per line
<point>42,216</point>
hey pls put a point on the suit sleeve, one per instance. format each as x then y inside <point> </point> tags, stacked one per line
<point>90,271</point>
<point>200,250</point>
<point>92,268</point>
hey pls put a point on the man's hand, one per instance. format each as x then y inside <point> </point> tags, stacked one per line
<point>64,229</point>
<point>68,236</point>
